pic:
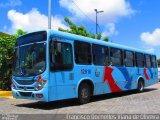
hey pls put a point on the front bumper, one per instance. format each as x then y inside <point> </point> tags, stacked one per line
<point>32,95</point>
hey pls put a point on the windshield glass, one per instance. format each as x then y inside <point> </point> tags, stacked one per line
<point>30,59</point>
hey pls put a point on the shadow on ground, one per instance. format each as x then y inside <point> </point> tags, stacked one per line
<point>74,102</point>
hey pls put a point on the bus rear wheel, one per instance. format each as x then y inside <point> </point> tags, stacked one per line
<point>140,87</point>
<point>84,93</point>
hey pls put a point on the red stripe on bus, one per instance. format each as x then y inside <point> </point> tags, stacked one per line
<point>111,82</point>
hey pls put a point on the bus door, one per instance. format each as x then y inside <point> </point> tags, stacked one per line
<point>61,69</point>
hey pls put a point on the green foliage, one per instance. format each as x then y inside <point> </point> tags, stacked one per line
<point>106,39</point>
<point>2,84</point>
<point>6,58</point>
<point>19,32</point>
<point>7,43</point>
<point>78,30</point>
<point>99,36</point>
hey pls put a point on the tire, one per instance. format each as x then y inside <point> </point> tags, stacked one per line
<point>84,93</point>
<point>140,87</point>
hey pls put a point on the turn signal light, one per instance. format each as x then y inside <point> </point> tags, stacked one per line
<point>39,95</point>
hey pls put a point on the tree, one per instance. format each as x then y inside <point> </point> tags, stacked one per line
<point>79,30</point>
<point>7,43</point>
<point>106,39</point>
<point>19,32</point>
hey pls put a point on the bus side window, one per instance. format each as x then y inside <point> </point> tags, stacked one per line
<point>139,59</point>
<point>100,55</point>
<point>116,57</point>
<point>128,58</point>
<point>82,51</point>
<point>148,61</point>
<point>154,62</point>
<point>62,56</point>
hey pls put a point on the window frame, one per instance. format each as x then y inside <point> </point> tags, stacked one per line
<point>146,65</point>
<point>121,56</point>
<point>51,53</point>
<point>89,55</point>
<point>125,58</point>
<point>154,63</point>
<point>105,55</point>
<point>139,60</point>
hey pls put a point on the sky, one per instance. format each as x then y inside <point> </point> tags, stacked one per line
<point>134,23</point>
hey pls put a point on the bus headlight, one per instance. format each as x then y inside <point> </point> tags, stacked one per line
<point>40,85</point>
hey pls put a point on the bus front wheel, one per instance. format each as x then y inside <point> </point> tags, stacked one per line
<point>84,93</point>
<point>140,87</point>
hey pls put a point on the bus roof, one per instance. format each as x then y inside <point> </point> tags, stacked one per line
<point>95,41</point>
<point>90,40</point>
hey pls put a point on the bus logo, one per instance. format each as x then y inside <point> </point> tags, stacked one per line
<point>85,71</point>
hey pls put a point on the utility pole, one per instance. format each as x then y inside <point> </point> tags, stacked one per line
<point>49,13</point>
<point>97,20</point>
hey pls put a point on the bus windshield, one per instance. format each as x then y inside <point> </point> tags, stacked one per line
<point>30,59</point>
<point>30,54</point>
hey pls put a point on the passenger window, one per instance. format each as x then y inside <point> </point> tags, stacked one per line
<point>82,51</point>
<point>100,55</point>
<point>129,59</point>
<point>116,56</point>
<point>148,61</point>
<point>139,60</point>
<point>154,62</point>
<point>61,57</point>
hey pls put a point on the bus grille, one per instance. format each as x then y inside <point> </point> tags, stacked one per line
<point>26,94</point>
<point>27,88</point>
<point>25,82</point>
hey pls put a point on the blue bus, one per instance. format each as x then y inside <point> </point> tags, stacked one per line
<point>52,65</point>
